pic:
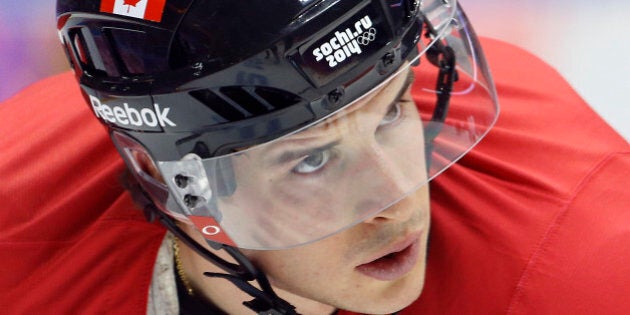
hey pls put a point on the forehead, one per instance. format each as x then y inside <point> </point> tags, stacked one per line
<point>374,101</point>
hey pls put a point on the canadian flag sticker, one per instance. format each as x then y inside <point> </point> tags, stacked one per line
<point>143,9</point>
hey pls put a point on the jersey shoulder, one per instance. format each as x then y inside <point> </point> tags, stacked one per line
<point>527,220</point>
<point>71,236</point>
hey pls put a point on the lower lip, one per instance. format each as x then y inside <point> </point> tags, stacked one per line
<point>393,266</point>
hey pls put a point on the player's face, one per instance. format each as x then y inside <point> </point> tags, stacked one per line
<point>378,265</point>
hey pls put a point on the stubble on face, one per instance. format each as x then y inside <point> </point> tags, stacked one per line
<point>325,271</point>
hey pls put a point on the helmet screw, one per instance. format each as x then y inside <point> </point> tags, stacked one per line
<point>190,201</point>
<point>334,97</point>
<point>197,68</point>
<point>388,59</point>
<point>387,62</point>
<point>181,181</point>
<point>412,7</point>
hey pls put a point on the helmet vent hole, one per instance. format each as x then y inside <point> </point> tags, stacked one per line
<point>241,102</point>
<point>218,104</point>
<point>277,99</point>
<point>247,100</point>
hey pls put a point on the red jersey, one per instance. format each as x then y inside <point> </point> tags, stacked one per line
<point>534,220</point>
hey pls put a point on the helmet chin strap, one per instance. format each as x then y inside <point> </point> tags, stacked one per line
<point>241,274</point>
<point>265,301</point>
<point>442,56</point>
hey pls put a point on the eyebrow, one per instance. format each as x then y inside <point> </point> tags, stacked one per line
<point>403,88</point>
<point>408,81</point>
<point>291,155</point>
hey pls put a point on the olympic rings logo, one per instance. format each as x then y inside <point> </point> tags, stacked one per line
<point>367,37</point>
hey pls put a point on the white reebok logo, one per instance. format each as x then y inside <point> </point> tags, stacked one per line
<point>128,116</point>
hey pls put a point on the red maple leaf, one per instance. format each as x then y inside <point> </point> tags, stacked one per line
<point>131,2</point>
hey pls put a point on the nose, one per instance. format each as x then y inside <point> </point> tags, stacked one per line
<point>387,183</point>
<point>401,211</point>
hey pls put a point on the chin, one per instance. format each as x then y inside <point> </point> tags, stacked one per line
<point>388,298</point>
<point>387,306</point>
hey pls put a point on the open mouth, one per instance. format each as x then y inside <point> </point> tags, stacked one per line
<point>393,265</point>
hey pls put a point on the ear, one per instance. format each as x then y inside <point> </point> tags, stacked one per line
<point>146,165</point>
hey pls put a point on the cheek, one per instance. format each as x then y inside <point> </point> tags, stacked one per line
<point>325,272</point>
<point>308,267</point>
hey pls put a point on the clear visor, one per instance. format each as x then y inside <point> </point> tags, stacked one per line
<point>350,166</point>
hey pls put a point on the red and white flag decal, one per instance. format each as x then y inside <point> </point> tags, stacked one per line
<point>143,9</point>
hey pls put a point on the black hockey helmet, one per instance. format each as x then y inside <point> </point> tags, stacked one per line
<point>209,92</point>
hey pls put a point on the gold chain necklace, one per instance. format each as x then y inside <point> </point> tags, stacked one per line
<point>180,268</point>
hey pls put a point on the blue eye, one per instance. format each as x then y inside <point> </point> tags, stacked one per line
<point>392,114</point>
<point>313,162</point>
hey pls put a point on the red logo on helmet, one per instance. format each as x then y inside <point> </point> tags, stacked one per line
<point>211,230</point>
<point>143,9</point>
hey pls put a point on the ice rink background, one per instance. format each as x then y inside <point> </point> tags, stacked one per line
<point>587,41</point>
